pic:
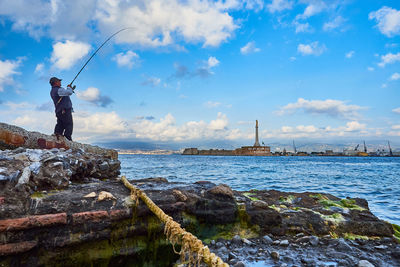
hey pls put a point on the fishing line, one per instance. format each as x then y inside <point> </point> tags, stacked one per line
<point>98,50</point>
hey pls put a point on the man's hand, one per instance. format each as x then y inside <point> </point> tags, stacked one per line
<point>72,87</point>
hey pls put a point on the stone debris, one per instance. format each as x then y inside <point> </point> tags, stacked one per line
<point>103,195</point>
<point>91,195</point>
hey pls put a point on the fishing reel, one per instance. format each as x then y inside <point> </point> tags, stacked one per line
<point>72,87</point>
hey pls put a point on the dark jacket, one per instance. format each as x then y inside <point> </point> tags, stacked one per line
<point>65,102</point>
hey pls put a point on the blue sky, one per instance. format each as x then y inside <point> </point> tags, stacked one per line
<point>206,70</point>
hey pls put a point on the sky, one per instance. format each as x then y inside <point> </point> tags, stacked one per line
<point>191,70</point>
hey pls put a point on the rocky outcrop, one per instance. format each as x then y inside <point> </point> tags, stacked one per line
<point>25,171</point>
<point>12,137</point>
<point>95,222</point>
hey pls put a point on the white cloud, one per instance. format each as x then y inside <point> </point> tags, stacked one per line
<point>396,110</point>
<point>334,108</point>
<point>302,27</point>
<point>292,58</point>
<point>384,85</point>
<point>395,76</point>
<point>311,49</point>
<point>349,54</point>
<point>212,104</point>
<point>370,69</point>
<point>279,5</point>
<point>396,127</point>
<point>66,54</point>
<point>354,126</point>
<point>388,20</point>
<point>128,59</point>
<point>250,47</point>
<point>313,7</point>
<point>212,62</point>
<point>334,24</point>
<point>157,22</point>
<point>389,59</point>
<point>56,19</point>
<point>39,68</point>
<point>8,69</point>
<point>93,95</point>
<point>220,123</point>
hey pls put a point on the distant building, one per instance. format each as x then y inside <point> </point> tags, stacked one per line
<point>255,150</point>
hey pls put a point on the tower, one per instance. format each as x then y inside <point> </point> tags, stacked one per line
<point>256,143</point>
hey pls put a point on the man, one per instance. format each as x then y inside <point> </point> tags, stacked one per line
<point>63,108</point>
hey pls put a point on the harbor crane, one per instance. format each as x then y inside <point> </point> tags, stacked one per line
<point>390,150</point>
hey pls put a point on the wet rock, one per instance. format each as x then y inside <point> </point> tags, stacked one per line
<point>284,243</point>
<point>365,263</point>
<point>342,245</point>
<point>396,253</point>
<point>314,241</point>
<point>239,264</point>
<point>267,239</point>
<point>246,241</point>
<point>275,255</point>
<point>381,247</point>
<point>221,191</point>
<point>237,240</point>
<point>219,245</point>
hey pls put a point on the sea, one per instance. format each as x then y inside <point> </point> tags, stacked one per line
<point>376,179</point>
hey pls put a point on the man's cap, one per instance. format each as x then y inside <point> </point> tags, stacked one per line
<point>54,79</point>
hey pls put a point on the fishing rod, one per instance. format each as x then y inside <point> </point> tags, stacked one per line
<point>96,53</point>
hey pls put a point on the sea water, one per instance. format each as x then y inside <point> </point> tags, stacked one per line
<point>376,179</point>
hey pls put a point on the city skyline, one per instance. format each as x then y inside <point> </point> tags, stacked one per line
<point>188,71</point>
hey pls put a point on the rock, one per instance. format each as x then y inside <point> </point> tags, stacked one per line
<point>179,195</point>
<point>276,242</point>
<point>246,241</point>
<point>304,239</point>
<point>275,255</point>
<point>396,253</point>
<point>343,246</point>
<point>91,195</point>
<point>239,264</point>
<point>283,265</point>
<point>103,195</point>
<point>284,243</point>
<point>222,191</point>
<point>381,247</point>
<point>365,263</point>
<point>104,166</point>
<point>219,245</point>
<point>237,240</point>
<point>267,239</point>
<point>314,241</point>
<point>231,255</point>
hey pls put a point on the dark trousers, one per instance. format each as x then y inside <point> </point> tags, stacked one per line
<point>64,123</point>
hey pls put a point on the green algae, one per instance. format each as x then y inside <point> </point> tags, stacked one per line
<point>123,247</point>
<point>278,209</point>
<point>343,203</point>
<point>335,218</point>
<point>39,195</point>
<point>250,196</point>
<point>208,232</point>
<point>289,199</point>
<point>396,229</point>
<point>351,236</point>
